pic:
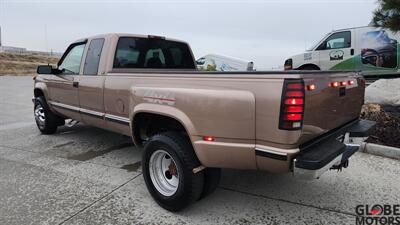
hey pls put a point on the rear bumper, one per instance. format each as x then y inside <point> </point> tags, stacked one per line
<point>329,152</point>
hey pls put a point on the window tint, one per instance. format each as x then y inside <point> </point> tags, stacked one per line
<point>154,58</point>
<point>152,53</point>
<point>127,54</point>
<point>93,57</point>
<point>337,40</point>
<point>72,61</point>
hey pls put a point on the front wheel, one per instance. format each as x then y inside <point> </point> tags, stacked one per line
<point>168,162</point>
<point>46,120</point>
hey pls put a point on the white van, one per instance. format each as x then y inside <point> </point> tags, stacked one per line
<point>372,50</point>
<point>223,63</point>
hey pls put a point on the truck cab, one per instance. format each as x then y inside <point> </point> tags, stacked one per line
<point>367,49</point>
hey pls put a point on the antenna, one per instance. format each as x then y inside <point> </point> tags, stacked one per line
<point>0,36</point>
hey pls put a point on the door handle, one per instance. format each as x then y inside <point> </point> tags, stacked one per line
<point>75,84</point>
<point>352,51</point>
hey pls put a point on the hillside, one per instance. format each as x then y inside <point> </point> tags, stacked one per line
<point>23,64</point>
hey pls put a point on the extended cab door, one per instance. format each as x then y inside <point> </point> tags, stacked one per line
<point>63,87</point>
<point>91,84</point>
<point>335,52</point>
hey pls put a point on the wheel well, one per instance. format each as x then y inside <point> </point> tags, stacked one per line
<point>146,125</point>
<point>309,67</point>
<point>38,92</point>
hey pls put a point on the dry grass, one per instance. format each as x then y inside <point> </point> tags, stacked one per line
<point>387,125</point>
<point>23,64</point>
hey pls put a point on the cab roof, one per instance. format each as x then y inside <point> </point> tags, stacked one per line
<point>117,35</point>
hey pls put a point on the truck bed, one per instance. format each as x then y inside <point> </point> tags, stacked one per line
<point>209,97</point>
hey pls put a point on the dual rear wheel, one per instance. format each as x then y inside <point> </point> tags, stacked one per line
<point>168,162</point>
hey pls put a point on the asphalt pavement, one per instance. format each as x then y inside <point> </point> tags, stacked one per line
<point>85,175</point>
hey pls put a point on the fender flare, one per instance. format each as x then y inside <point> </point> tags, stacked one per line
<point>42,87</point>
<point>165,110</point>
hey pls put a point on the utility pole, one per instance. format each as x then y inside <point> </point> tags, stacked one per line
<point>45,39</point>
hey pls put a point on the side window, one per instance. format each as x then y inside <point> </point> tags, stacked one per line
<point>72,61</point>
<point>337,40</point>
<point>93,57</point>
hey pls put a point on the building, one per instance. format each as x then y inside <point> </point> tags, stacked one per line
<point>12,49</point>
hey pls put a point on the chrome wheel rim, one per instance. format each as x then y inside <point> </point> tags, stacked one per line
<point>40,116</point>
<point>164,173</point>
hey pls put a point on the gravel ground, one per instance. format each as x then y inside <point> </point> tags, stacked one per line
<point>387,124</point>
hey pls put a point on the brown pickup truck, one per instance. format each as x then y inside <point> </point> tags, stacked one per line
<point>192,123</point>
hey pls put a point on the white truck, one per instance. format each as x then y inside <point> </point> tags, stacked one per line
<point>374,51</point>
<point>216,62</point>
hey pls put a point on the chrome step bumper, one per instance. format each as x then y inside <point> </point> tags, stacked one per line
<point>328,152</point>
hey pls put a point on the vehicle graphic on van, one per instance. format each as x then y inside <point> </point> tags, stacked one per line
<point>378,49</point>
<point>373,51</point>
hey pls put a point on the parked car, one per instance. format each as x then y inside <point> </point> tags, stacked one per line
<point>192,123</point>
<point>369,49</point>
<point>213,62</point>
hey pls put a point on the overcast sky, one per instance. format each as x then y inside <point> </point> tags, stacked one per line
<point>266,32</point>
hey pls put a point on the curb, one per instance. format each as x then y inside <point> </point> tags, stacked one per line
<point>380,150</point>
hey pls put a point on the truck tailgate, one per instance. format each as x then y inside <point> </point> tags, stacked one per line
<point>336,100</point>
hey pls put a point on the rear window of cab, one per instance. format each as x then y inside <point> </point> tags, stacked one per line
<point>132,52</point>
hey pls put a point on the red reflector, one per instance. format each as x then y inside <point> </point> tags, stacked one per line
<point>292,117</point>
<point>311,87</point>
<point>208,138</point>
<point>294,86</point>
<point>350,82</point>
<point>294,94</point>
<point>343,83</point>
<point>294,101</point>
<point>294,109</point>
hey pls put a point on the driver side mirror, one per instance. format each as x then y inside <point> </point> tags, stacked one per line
<point>44,69</point>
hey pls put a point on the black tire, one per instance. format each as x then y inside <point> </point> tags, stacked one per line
<point>190,185</point>
<point>51,120</point>
<point>212,176</point>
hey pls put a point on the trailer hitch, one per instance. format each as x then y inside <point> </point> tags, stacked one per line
<point>342,165</point>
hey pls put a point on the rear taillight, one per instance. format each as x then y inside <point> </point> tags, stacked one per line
<point>292,105</point>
